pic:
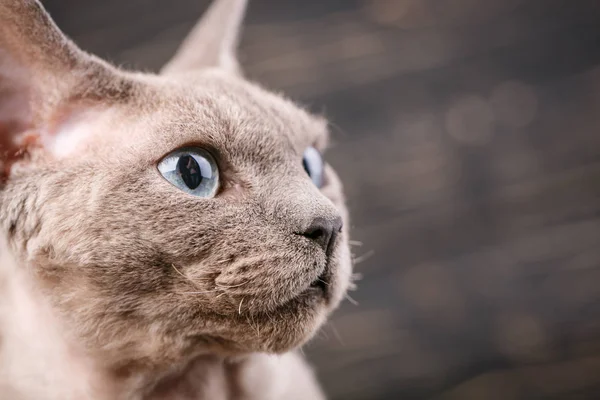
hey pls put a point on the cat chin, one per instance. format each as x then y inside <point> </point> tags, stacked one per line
<point>279,331</point>
<point>285,334</point>
<point>300,318</point>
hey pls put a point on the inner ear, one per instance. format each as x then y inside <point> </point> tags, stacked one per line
<point>42,74</point>
<point>14,110</point>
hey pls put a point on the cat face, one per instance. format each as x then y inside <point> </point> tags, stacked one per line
<point>164,216</point>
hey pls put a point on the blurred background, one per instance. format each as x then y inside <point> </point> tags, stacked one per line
<point>466,132</point>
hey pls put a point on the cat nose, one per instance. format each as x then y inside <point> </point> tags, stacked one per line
<point>324,231</point>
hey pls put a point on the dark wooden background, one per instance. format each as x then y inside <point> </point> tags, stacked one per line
<point>466,132</point>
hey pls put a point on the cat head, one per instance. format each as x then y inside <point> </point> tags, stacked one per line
<point>172,214</point>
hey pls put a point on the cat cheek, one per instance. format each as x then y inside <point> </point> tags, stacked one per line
<point>342,276</point>
<point>332,189</point>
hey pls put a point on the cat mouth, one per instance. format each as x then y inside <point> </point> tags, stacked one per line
<point>321,285</point>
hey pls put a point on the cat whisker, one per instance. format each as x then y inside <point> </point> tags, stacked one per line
<point>323,282</point>
<point>207,291</point>
<point>353,279</point>
<point>338,129</point>
<point>322,334</point>
<point>257,326</point>
<point>179,272</point>
<point>355,243</point>
<point>231,286</point>
<point>187,278</point>
<point>252,326</point>
<point>336,333</point>
<point>366,256</point>
<point>270,317</point>
<point>194,284</point>
<point>351,300</point>
<point>257,330</point>
<point>240,307</point>
<point>356,277</point>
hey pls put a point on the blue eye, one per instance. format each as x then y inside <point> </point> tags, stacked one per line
<point>192,170</point>
<point>313,165</point>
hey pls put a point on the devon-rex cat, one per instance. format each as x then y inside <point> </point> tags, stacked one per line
<point>171,236</point>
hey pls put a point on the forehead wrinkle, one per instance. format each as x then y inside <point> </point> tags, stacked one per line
<point>293,121</point>
<point>265,128</point>
<point>235,135</point>
<point>244,126</point>
<point>254,130</point>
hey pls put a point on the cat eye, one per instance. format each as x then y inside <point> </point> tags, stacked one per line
<point>313,165</point>
<point>192,170</point>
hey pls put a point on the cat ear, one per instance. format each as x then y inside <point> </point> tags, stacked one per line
<point>42,75</point>
<point>213,41</point>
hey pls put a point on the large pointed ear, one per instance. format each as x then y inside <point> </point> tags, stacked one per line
<point>213,41</point>
<point>42,73</point>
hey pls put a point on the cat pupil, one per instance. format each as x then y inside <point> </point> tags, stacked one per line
<point>192,170</point>
<point>306,167</point>
<point>313,165</point>
<point>189,170</point>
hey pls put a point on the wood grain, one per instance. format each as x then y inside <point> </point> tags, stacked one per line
<point>467,136</point>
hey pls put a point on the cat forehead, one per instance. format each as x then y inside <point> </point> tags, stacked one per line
<point>225,105</point>
<point>206,107</point>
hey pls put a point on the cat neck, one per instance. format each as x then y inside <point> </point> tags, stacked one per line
<point>39,360</point>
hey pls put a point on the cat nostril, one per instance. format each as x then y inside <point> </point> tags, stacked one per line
<point>324,231</point>
<point>315,233</point>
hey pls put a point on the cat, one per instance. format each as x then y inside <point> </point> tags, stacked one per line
<point>162,236</point>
